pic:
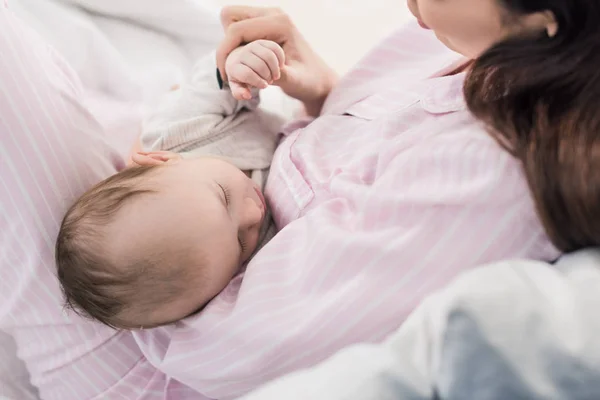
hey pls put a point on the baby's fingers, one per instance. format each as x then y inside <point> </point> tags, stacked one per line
<point>269,57</point>
<point>256,64</point>
<point>277,51</point>
<point>240,91</point>
<point>241,73</point>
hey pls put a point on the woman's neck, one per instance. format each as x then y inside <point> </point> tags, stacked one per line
<point>461,68</point>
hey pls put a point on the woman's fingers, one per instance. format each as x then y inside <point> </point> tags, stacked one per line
<point>233,14</point>
<point>163,152</point>
<point>145,159</point>
<point>151,157</point>
<point>277,28</point>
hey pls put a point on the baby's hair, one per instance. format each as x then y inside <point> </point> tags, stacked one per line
<point>95,286</point>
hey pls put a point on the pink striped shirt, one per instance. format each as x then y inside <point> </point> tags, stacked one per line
<point>391,193</point>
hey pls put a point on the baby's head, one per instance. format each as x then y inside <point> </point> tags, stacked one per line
<point>154,244</point>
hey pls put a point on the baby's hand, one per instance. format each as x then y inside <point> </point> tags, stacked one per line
<point>144,158</point>
<point>257,65</point>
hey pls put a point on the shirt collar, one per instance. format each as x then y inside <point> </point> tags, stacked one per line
<point>445,94</point>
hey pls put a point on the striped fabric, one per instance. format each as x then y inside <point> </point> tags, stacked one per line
<point>385,198</point>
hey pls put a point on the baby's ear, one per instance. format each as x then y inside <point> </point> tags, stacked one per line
<point>154,158</point>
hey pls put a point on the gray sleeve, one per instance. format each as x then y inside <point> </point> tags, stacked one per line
<point>514,330</point>
<point>194,114</point>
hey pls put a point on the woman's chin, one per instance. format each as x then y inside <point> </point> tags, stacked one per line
<point>448,44</point>
<point>423,25</point>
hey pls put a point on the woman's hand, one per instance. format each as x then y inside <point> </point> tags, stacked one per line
<point>305,76</point>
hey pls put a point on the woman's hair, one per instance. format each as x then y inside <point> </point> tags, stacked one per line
<point>540,98</point>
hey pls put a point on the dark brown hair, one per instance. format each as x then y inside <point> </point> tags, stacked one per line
<point>94,285</point>
<point>540,97</point>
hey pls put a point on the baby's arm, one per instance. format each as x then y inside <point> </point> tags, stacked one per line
<point>193,115</point>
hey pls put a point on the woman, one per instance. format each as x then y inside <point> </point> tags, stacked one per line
<point>396,183</point>
<point>531,83</point>
<point>420,164</point>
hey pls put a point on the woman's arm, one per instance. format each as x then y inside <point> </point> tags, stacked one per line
<point>305,76</point>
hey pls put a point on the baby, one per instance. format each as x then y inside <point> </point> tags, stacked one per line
<point>156,242</point>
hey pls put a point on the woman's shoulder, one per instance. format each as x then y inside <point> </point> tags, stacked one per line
<point>465,164</point>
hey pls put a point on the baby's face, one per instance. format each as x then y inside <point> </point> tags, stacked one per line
<point>206,212</point>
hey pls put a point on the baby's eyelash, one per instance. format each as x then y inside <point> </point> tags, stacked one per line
<point>243,244</point>
<point>225,193</point>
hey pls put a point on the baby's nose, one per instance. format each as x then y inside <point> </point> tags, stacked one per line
<point>252,214</point>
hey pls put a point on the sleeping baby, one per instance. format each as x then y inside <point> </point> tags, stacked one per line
<point>156,242</point>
